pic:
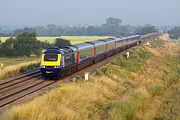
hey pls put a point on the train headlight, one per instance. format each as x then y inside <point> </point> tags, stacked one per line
<point>42,66</point>
<point>56,66</point>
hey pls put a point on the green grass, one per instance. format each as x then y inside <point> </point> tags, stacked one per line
<point>157,43</point>
<point>136,60</point>
<point>73,39</point>
<point>169,110</point>
<point>157,90</point>
<point>28,67</point>
<point>173,64</point>
<point>126,110</point>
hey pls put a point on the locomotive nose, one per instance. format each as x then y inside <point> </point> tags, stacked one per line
<point>50,63</point>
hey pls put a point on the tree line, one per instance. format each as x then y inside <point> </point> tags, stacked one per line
<point>112,27</point>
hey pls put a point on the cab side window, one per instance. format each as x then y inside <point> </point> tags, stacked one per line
<point>69,59</point>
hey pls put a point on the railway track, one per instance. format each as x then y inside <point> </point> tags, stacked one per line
<point>16,94</point>
<point>22,76</point>
<point>15,88</point>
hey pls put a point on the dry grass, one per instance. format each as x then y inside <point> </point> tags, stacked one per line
<point>117,92</point>
<point>7,61</point>
<point>16,69</point>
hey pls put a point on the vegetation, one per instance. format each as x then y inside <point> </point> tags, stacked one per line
<point>59,42</point>
<point>27,44</point>
<point>17,69</point>
<point>174,33</point>
<point>143,30</point>
<point>135,61</point>
<point>116,91</point>
<point>157,43</point>
<point>12,66</point>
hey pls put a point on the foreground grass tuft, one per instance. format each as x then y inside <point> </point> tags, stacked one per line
<point>158,43</point>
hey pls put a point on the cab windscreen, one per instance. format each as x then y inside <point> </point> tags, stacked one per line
<point>50,57</point>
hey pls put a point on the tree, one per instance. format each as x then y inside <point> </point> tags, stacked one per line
<point>142,30</point>
<point>61,43</point>
<point>113,21</point>
<point>7,48</point>
<point>174,33</point>
<point>24,44</point>
<point>112,26</point>
<point>21,31</point>
<point>27,44</point>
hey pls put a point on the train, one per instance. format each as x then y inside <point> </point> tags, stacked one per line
<point>58,63</point>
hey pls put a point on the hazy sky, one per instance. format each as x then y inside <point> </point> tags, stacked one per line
<point>91,12</point>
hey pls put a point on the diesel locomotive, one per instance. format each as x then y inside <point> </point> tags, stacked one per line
<point>57,63</point>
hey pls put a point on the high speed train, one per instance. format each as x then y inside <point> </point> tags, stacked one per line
<point>57,62</point>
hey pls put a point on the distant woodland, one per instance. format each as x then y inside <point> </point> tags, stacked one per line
<point>112,27</point>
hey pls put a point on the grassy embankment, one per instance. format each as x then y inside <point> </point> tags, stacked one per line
<point>144,86</point>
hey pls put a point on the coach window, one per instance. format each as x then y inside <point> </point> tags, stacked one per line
<point>101,49</point>
<point>110,45</point>
<point>86,53</point>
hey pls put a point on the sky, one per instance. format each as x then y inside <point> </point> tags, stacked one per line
<point>89,12</point>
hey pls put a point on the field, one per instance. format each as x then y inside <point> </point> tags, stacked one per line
<point>73,39</point>
<point>15,61</point>
<point>143,87</point>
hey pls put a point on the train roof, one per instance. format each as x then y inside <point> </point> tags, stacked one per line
<point>83,46</point>
<point>109,40</point>
<point>126,38</point>
<point>98,42</point>
<point>53,50</point>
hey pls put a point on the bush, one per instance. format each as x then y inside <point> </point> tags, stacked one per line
<point>28,67</point>
<point>157,43</point>
<point>135,62</point>
<point>61,43</point>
